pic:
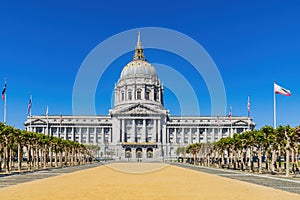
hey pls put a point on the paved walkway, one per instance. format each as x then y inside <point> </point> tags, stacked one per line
<point>16,178</point>
<point>281,183</point>
<point>140,181</point>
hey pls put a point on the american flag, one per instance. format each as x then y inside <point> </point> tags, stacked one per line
<point>248,106</point>
<point>230,113</point>
<point>3,92</point>
<point>29,105</point>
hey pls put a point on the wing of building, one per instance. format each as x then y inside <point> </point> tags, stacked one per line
<point>138,126</point>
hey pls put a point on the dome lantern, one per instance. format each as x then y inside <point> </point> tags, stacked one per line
<point>139,51</point>
<point>139,67</point>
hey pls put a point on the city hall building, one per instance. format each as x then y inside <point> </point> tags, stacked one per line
<point>138,126</point>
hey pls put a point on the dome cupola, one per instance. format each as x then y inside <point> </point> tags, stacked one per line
<point>139,67</point>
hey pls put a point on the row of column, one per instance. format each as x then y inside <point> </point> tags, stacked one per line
<point>62,132</point>
<point>214,134</point>
<point>144,135</point>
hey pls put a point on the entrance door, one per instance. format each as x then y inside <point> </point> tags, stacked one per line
<point>149,153</point>
<point>128,153</point>
<point>139,153</point>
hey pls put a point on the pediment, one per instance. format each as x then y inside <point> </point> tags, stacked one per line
<point>38,121</point>
<point>241,123</point>
<point>139,109</point>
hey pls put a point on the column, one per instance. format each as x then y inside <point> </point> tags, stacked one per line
<point>134,131</point>
<point>102,135</point>
<point>168,135</point>
<point>123,131</point>
<point>73,135</point>
<point>152,93</point>
<point>198,135</point>
<point>219,133</point>
<point>110,135</point>
<point>80,135</point>
<point>190,140</point>
<point>182,136</point>
<point>88,135</point>
<point>155,130</point>
<point>144,133</point>
<point>175,135</point>
<point>159,130</point>
<point>65,133</point>
<point>95,136</point>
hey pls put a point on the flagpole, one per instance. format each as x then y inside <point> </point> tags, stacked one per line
<point>60,121</point>
<point>4,112</point>
<point>4,98</point>
<point>248,107</point>
<point>30,113</point>
<point>47,122</point>
<point>274,111</point>
<point>231,121</point>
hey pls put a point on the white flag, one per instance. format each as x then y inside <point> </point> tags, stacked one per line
<point>280,90</point>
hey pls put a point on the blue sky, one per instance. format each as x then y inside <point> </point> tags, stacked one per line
<point>253,44</point>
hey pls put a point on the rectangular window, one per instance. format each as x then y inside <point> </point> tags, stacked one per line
<point>129,95</point>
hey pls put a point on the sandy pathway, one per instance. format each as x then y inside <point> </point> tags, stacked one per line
<point>169,182</point>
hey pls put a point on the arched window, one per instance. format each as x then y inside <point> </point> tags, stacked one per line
<point>147,97</point>
<point>139,94</point>
<point>129,95</point>
<point>155,96</point>
<point>122,96</point>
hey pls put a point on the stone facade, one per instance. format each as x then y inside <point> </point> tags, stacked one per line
<point>138,126</point>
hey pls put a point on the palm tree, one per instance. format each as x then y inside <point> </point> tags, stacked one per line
<point>19,139</point>
<point>295,144</point>
<point>180,151</point>
<point>269,141</point>
<point>221,147</point>
<point>194,150</point>
<point>288,133</point>
<point>259,139</point>
<point>8,145</point>
<point>236,148</point>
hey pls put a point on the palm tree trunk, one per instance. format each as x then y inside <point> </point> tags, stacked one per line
<point>267,160</point>
<point>50,155</point>
<point>1,156</point>
<point>208,160</point>
<point>235,165</point>
<point>296,157</point>
<point>55,158</point>
<point>273,160</point>
<point>259,160</point>
<point>45,157</point>
<point>29,157</point>
<point>60,159</point>
<point>222,159</point>
<point>36,158</point>
<point>251,167</point>
<point>19,157</point>
<point>11,159</point>
<point>6,159</point>
<point>287,161</point>
<point>244,159</point>
<point>279,155</point>
<point>73,156</point>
